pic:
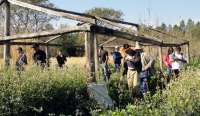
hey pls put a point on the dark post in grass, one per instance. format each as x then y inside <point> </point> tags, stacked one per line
<point>90,54</point>
<point>7,32</point>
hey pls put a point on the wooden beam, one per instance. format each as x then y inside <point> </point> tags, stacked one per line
<point>90,57</point>
<point>52,39</point>
<point>46,33</point>
<point>96,54</point>
<point>126,35</point>
<point>188,52</point>
<point>53,11</point>
<point>160,57</point>
<point>30,43</point>
<point>1,2</point>
<point>71,15</point>
<point>108,41</point>
<point>7,54</point>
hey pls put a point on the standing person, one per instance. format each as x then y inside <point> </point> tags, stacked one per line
<point>147,68</point>
<point>103,60</point>
<point>125,67</point>
<point>134,66</point>
<point>167,59</point>
<point>178,62</point>
<point>61,59</point>
<point>39,56</point>
<point>117,59</point>
<point>21,60</point>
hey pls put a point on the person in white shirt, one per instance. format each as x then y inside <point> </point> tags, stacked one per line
<point>178,62</point>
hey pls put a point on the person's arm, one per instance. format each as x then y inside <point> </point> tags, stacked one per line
<point>107,58</point>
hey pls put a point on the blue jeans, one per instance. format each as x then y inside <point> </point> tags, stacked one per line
<point>105,71</point>
<point>143,81</point>
<point>117,67</point>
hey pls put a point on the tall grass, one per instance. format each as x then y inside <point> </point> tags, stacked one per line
<point>44,92</point>
<point>180,98</point>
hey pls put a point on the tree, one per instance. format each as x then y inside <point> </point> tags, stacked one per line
<point>106,13</point>
<point>182,26</point>
<point>27,20</point>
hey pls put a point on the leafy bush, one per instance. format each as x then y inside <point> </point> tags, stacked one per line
<point>44,92</point>
<point>180,98</point>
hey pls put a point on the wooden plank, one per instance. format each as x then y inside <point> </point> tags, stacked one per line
<point>188,52</point>
<point>96,54</point>
<point>52,39</point>
<point>53,11</point>
<point>126,35</point>
<point>72,15</point>
<point>90,60</point>
<point>47,33</point>
<point>108,41</point>
<point>30,43</point>
<point>1,2</point>
<point>160,57</point>
<point>7,54</point>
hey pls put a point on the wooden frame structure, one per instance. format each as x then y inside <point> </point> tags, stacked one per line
<point>91,26</point>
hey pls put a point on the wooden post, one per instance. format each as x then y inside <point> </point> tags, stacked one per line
<point>47,54</point>
<point>90,52</point>
<point>160,57</point>
<point>188,52</point>
<point>96,54</point>
<point>7,33</point>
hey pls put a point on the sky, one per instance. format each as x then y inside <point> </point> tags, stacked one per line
<point>151,12</point>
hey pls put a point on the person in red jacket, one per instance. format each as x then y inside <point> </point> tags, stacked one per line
<point>168,59</point>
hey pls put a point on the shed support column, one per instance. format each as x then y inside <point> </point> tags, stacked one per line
<point>160,57</point>
<point>7,33</point>
<point>47,54</point>
<point>96,54</point>
<point>188,52</point>
<point>90,56</point>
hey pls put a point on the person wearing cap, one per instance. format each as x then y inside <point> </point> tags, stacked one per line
<point>123,53</point>
<point>21,60</point>
<point>39,56</point>
<point>117,57</point>
<point>147,67</point>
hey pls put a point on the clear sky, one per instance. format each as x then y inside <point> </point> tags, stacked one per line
<point>151,12</point>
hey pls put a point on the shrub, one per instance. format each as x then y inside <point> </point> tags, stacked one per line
<point>44,92</point>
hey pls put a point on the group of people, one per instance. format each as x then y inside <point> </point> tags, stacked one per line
<point>174,61</point>
<point>137,66</point>
<point>39,58</point>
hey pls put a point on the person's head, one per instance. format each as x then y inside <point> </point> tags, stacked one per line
<point>116,48</point>
<point>101,47</point>
<point>126,46</point>
<point>178,49</point>
<point>19,50</point>
<point>170,50</point>
<point>36,47</point>
<point>137,47</point>
<point>59,52</point>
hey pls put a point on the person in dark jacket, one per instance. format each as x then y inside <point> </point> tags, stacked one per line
<point>117,57</point>
<point>39,56</point>
<point>21,60</point>
<point>61,59</point>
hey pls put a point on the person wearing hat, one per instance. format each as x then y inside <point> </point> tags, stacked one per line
<point>147,67</point>
<point>133,63</point>
<point>117,57</point>
<point>39,56</point>
<point>21,60</point>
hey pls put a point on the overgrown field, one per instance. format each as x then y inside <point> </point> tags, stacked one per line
<point>180,98</point>
<point>44,92</point>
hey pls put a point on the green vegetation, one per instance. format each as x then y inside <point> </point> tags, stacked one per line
<point>181,97</point>
<point>45,92</point>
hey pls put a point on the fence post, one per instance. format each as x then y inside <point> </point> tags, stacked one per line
<point>160,57</point>
<point>7,33</point>
<point>96,54</point>
<point>90,53</point>
<point>188,52</point>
